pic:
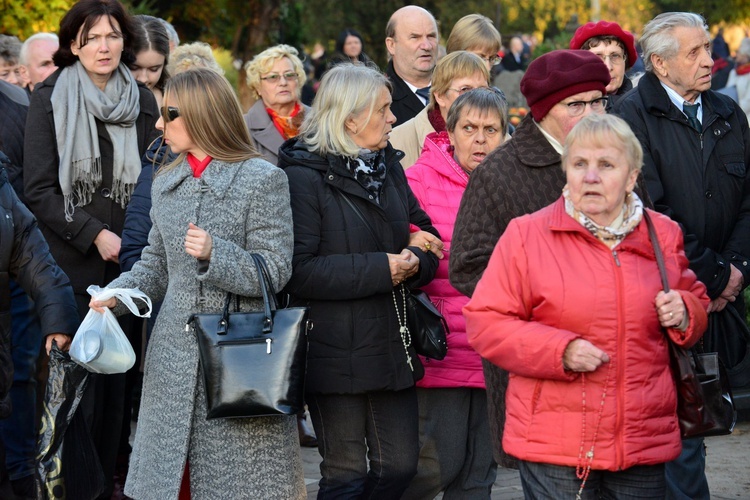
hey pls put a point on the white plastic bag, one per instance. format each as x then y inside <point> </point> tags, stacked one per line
<point>100,345</point>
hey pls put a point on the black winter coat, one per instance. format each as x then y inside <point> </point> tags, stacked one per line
<point>342,275</point>
<point>72,243</point>
<point>405,103</point>
<point>698,179</point>
<point>25,258</point>
<point>14,105</point>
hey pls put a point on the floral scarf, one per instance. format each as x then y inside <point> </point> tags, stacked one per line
<point>288,126</point>
<point>632,213</point>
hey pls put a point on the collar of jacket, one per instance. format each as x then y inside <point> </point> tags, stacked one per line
<point>437,147</point>
<point>218,176</point>
<point>533,149</point>
<point>657,102</point>
<point>400,89</point>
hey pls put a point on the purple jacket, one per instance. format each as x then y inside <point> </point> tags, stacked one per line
<point>438,182</point>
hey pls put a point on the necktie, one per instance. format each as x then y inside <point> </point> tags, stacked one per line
<point>424,93</point>
<point>691,110</point>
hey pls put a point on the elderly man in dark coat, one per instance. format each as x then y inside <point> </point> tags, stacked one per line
<point>696,147</point>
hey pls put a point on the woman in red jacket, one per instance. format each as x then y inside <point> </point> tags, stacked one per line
<point>572,306</point>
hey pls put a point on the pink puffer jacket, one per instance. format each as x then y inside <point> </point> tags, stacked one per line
<point>438,183</point>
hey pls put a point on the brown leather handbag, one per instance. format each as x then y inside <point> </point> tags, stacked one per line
<point>705,406</point>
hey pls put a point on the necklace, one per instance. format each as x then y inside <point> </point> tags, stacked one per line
<point>583,469</point>
<point>403,328</point>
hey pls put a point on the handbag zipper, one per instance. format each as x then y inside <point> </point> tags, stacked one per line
<point>267,341</point>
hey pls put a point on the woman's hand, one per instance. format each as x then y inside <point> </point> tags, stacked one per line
<point>583,356</point>
<point>100,305</point>
<point>428,242</point>
<point>108,244</point>
<point>198,243</point>
<point>63,341</point>
<point>403,265</point>
<point>671,310</point>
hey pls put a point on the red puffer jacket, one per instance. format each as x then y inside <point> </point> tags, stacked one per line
<point>548,282</point>
<point>438,183</point>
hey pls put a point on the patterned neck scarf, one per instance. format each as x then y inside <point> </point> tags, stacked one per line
<point>369,170</point>
<point>288,126</point>
<point>624,224</point>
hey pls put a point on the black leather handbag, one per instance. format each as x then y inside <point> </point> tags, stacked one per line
<point>705,406</point>
<point>253,363</point>
<point>427,326</point>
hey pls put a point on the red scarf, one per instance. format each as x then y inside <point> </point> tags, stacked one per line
<point>197,165</point>
<point>743,69</point>
<point>436,119</point>
<point>286,125</point>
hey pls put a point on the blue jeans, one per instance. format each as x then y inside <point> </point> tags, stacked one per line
<point>686,475</point>
<point>545,481</point>
<point>381,427</point>
<point>18,431</point>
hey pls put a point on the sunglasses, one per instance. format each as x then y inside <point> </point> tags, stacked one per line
<point>169,113</point>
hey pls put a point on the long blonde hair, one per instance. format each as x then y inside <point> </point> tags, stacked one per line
<point>212,114</point>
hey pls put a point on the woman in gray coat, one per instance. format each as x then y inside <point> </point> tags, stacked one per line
<point>211,207</point>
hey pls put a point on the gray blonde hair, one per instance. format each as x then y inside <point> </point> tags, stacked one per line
<point>459,64</point>
<point>192,55</point>
<point>263,62</point>
<point>606,130</point>
<point>345,91</point>
<point>658,39</point>
<point>484,100</point>
<point>23,56</point>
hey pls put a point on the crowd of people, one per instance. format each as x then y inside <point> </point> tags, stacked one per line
<point>128,162</point>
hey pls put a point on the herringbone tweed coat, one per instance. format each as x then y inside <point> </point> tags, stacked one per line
<point>244,207</point>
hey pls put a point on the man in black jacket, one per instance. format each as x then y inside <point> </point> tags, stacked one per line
<point>696,146</point>
<point>412,42</point>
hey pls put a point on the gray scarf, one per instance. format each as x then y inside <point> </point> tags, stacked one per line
<point>76,104</point>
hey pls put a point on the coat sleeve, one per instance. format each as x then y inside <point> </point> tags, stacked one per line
<point>499,320</point>
<point>41,180</point>
<point>33,267</point>
<point>268,232</point>
<point>428,262</point>
<point>137,219</point>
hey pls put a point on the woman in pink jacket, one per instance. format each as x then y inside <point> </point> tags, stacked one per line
<point>456,453</point>
<point>571,304</point>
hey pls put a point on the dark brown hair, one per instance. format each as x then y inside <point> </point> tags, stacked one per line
<point>86,13</point>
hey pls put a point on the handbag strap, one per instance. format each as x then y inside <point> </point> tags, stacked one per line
<point>362,217</point>
<point>657,251</point>
<point>269,298</point>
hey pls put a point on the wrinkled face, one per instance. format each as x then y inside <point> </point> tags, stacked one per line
<point>10,73</point>
<point>39,63</point>
<point>352,46</point>
<point>558,122</point>
<point>689,72</point>
<point>599,178</point>
<point>477,133</point>
<point>148,67</point>
<point>414,46</point>
<point>278,87</point>
<point>457,87</point>
<point>101,51</point>
<point>173,127</point>
<point>373,134</point>
<point>614,57</point>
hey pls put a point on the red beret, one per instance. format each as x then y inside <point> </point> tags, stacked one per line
<point>559,74</point>
<point>603,28</point>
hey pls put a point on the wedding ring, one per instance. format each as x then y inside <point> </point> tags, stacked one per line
<point>671,315</point>
<point>427,246</point>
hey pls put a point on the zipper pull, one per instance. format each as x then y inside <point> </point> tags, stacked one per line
<point>268,346</point>
<point>617,259</point>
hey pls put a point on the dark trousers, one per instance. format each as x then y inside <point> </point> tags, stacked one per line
<point>455,454</point>
<point>552,482</point>
<point>686,475</point>
<point>19,431</point>
<point>380,427</point>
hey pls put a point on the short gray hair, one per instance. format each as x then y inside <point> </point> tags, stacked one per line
<point>482,99</point>
<point>345,91</point>
<point>10,46</point>
<point>657,37</point>
<point>606,130</point>
<point>24,54</point>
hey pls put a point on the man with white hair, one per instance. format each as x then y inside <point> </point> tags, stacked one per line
<point>696,146</point>
<point>412,42</point>
<point>35,60</point>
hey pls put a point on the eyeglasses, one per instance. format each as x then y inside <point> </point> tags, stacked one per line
<point>169,113</point>
<point>577,108</point>
<point>275,78</point>
<point>615,58</point>
<point>465,89</point>
<point>492,60</point>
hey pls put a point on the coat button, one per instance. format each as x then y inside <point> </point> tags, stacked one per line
<point>68,236</point>
<point>106,192</point>
<point>106,226</point>
<point>330,177</point>
<point>744,262</point>
<point>370,196</point>
<point>709,194</point>
<point>717,132</point>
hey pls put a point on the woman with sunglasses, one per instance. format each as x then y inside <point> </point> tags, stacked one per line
<point>275,77</point>
<point>216,203</point>
<point>91,124</point>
